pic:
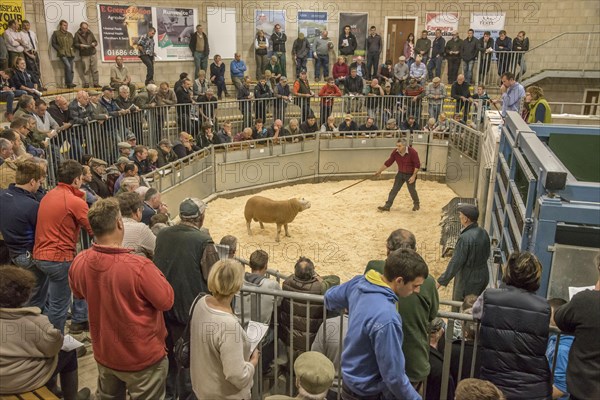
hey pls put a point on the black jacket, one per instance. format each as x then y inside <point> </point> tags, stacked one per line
<point>581,317</point>
<point>194,39</point>
<point>468,265</point>
<point>99,186</point>
<point>178,254</point>
<point>353,85</point>
<point>347,50</point>
<point>460,90</point>
<point>278,42</point>
<point>514,337</point>
<point>469,49</point>
<point>438,46</point>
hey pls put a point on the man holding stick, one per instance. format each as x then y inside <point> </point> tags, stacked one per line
<point>408,166</point>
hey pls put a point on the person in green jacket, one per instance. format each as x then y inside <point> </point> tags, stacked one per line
<point>469,264</point>
<point>416,311</point>
<point>62,42</point>
<point>539,108</point>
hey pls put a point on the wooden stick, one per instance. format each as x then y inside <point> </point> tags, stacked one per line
<point>354,184</point>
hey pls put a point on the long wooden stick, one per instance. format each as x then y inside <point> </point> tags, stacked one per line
<point>354,184</point>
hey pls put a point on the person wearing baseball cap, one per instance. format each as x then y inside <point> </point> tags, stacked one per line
<point>185,254</point>
<point>469,263</point>
<point>314,376</point>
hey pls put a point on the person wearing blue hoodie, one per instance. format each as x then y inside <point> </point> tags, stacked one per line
<point>373,365</point>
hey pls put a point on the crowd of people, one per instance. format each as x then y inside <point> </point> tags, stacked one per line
<point>385,91</point>
<point>143,280</point>
<point>156,271</point>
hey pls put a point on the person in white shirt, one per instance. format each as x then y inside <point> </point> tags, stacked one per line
<point>138,235</point>
<point>14,42</point>
<point>31,48</point>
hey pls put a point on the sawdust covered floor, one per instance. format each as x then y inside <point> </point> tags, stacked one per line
<point>339,233</point>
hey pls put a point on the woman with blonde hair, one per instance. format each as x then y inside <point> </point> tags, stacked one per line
<point>221,364</point>
<point>261,47</point>
<point>514,331</point>
<point>539,109</point>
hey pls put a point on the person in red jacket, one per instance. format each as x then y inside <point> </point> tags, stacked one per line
<point>127,295</point>
<point>340,71</point>
<point>61,215</point>
<point>408,162</point>
<point>327,92</point>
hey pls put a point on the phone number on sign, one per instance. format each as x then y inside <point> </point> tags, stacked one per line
<point>121,52</point>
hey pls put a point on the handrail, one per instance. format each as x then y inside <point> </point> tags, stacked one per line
<point>560,35</point>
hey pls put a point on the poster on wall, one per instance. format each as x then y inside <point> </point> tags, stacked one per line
<point>222,31</point>
<point>492,22</point>
<point>11,9</point>
<point>174,28</point>
<point>447,22</point>
<point>358,26</point>
<point>120,27</point>
<point>312,23</point>
<point>74,12</point>
<point>266,20</point>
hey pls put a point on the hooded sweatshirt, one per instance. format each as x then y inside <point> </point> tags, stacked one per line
<point>29,353</point>
<point>372,360</point>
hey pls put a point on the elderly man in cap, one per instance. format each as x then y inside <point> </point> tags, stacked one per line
<point>113,173</point>
<point>166,155</point>
<point>469,263</point>
<point>124,149</point>
<point>314,376</point>
<point>184,253</point>
<point>97,184</point>
<point>435,94</point>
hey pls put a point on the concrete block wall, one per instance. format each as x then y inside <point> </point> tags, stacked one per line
<point>541,21</point>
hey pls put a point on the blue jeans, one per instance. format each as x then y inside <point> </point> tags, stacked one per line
<point>435,63</point>
<point>200,63</point>
<point>434,110</point>
<point>467,67</point>
<point>40,290</point>
<point>59,292</point>
<point>9,98</point>
<point>149,63</point>
<point>281,59</point>
<point>68,65</point>
<point>300,66</point>
<point>322,61</point>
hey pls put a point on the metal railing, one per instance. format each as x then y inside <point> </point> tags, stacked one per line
<point>284,368</point>
<point>560,53</point>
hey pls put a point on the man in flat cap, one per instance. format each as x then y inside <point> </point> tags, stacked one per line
<point>124,149</point>
<point>314,375</point>
<point>469,263</point>
<point>185,254</point>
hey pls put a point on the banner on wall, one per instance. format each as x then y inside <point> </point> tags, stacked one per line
<point>222,31</point>
<point>266,20</point>
<point>9,10</point>
<point>74,12</point>
<point>120,27</point>
<point>359,27</point>
<point>312,23</point>
<point>492,22</point>
<point>447,22</point>
<point>174,28</point>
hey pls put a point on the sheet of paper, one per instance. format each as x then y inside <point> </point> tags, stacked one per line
<point>70,343</point>
<point>574,290</point>
<point>256,331</point>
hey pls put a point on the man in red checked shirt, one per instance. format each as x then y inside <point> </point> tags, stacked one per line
<point>408,165</point>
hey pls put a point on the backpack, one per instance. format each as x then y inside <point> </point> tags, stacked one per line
<point>181,349</point>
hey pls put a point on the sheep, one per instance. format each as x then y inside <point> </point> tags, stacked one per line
<point>281,212</point>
